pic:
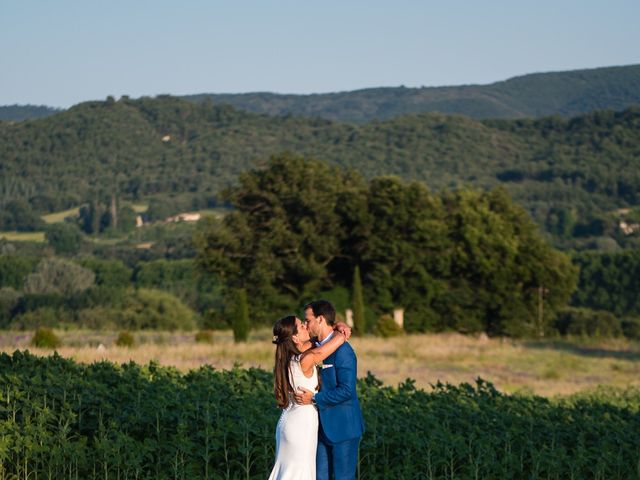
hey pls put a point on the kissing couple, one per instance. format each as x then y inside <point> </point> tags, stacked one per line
<point>319,431</point>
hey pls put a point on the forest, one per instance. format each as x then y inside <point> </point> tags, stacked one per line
<point>571,175</point>
<point>567,93</point>
<point>464,260</point>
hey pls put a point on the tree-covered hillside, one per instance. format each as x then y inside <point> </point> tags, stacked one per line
<point>16,113</point>
<point>566,172</point>
<point>535,95</point>
<point>528,96</point>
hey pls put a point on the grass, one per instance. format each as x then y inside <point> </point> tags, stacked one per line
<point>56,217</point>
<point>546,368</point>
<point>217,213</point>
<point>140,207</point>
<point>23,236</point>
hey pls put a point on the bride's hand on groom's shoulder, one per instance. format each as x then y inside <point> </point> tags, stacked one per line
<point>343,328</point>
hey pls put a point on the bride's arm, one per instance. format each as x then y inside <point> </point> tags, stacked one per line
<point>314,356</point>
<point>343,328</point>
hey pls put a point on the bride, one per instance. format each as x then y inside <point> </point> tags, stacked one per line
<point>297,430</point>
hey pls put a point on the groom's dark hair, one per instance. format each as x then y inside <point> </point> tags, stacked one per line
<point>324,308</point>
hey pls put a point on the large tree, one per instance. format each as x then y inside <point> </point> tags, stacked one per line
<point>464,260</point>
<point>283,234</point>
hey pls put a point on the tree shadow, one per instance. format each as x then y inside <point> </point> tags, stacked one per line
<point>583,350</point>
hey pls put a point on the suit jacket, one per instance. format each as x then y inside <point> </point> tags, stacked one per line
<point>337,400</point>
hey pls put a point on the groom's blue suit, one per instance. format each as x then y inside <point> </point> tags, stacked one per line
<point>341,422</point>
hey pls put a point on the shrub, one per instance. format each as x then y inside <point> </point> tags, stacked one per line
<point>387,327</point>
<point>125,339</point>
<point>99,318</point>
<point>240,315</point>
<point>204,336</point>
<point>586,322</point>
<point>9,299</point>
<point>41,317</point>
<point>213,319</point>
<point>45,338</point>
<point>154,309</point>
<point>631,328</point>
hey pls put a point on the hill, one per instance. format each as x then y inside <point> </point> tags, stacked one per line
<point>561,170</point>
<point>534,95</point>
<point>17,113</point>
<point>563,93</point>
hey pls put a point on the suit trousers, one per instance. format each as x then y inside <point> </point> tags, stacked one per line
<point>336,461</point>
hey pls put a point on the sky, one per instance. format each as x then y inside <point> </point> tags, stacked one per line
<point>63,52</point>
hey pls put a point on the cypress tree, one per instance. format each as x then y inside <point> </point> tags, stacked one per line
<point>358,303</point>
<point>241,324</point>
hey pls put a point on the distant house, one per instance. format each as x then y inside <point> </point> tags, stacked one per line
<point>629,228</point>
<point>184,217</point>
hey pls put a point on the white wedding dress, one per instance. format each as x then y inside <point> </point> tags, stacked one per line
<point>297,433</point>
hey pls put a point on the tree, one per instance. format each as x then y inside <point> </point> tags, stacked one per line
<point>405,260</point>
<point>18,215</point>
<point>283,234</point>
<point>117,218</point>
<point>9,299</point>
<point>65,238</point>
<point>179,277</point>
<point>57,276</point>
<point>359,322</point>
<point>14,269</point>
<point>126,218</point>
<point>499,263</point>
<point>109,273</point>
<point>160,209</point>
<point>89,217</point>
<point>240,316</point>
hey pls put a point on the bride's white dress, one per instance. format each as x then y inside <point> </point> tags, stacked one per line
<point>297,433</point>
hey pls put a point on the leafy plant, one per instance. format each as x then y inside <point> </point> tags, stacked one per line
<point>125,339</point>
<point>101,420</point>
<point>45,338</point>
<point>204,336</point>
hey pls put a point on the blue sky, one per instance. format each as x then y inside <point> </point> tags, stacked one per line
<point>63,52</point>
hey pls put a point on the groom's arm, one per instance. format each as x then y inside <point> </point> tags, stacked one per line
<point>346,372</point>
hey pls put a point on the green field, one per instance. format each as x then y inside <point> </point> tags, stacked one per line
<point>56,217</point>
<point>140,207</point>
<point>60,419</point>
<point>23,236</point>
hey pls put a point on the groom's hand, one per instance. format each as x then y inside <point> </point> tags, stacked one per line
<point>303,396</point>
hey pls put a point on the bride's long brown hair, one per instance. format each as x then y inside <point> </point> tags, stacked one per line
<point>283,332</point>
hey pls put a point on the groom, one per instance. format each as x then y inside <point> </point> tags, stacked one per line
<point>341,423</point>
